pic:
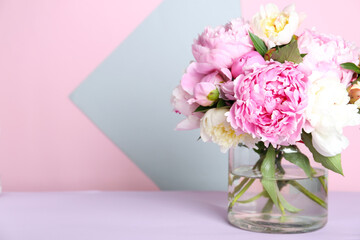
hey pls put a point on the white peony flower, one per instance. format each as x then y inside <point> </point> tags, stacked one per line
<point>215,128</point>
<point>357,103</point>
<point>275,27</point>
<point>328,112</point>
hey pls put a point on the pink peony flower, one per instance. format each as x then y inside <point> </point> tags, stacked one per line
<point>227,90</point>
<point>221,45</point>
<point>180,102</point>
<point>202,72</point>
<point>194,75</point>
<point>326,52</point>
<point>270,103</point>
<point>246,62</point>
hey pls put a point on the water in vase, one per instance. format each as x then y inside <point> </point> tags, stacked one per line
<point>251,208</point>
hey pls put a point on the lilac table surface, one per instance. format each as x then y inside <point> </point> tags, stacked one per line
<point>149,215</point>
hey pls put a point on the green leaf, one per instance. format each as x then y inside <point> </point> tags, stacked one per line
<point>287,205</point>
<point>221,103</point>
<point>350,66</point>
<point>258,44</point>
<point>269,182</point>
<point>268,166</point>
<point>332,163</point>
<point>268,175</point>
<point>268,206</point>
<point>293,155</point>
<point>288,53</point>
<point>203,109</point>
<point>303,55</point>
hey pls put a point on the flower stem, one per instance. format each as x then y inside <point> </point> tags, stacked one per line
<point>238,187</point>
<point>257,165</point>
<point>246,187</point>
<point>322,181</point>
<point>283,214</point>
<point>278,162</point>
<point>253,198</point>
<point>309,194</point>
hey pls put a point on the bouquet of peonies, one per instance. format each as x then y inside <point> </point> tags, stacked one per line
<point>259,83</point>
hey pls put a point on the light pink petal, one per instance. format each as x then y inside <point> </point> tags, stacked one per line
<point>189,123</point>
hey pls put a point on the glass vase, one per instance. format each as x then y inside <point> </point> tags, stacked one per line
<point>301,203</point>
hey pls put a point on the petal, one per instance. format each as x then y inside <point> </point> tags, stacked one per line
<point>189,123</point>
<point>290,8</point>
<point>329,144</point>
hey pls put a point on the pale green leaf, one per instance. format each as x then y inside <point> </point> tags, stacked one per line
<point>293,155</point>
<point>332,163</point>
<point>288,53</point>
<point>287,205</point>
<point>268,175</point>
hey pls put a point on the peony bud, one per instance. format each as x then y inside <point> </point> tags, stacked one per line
<point>213,95</point>
<point>354,93</point>
<point>205,93</point>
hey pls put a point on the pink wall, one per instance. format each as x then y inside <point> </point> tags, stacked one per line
<point>48,47</point>
<point>340,18</point>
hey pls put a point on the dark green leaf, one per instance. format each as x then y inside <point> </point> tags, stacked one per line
<point>258,44</point>
<point>221,103</point>
<point>356,81</point>
<point>350,66</point>
<point>203,109</point>
<point>332,163</point>
<point>293,155</point>
<point>288,53</point>
<point>261,149</point>
<point>303,55</point>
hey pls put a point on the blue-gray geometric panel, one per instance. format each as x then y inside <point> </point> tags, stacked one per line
<point>128,96</point>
